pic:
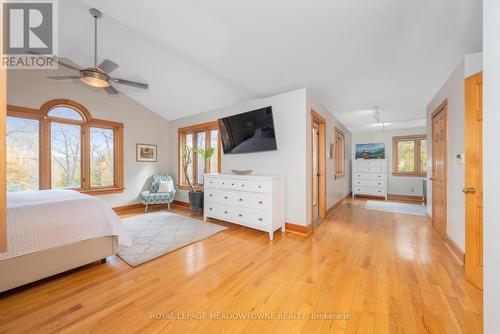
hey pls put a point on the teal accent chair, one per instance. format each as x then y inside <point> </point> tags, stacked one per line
<point>152,196</point>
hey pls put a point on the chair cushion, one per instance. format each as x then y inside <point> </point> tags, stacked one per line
<point>155,182</point>
<point>148,197</point>
<point>166,186</point>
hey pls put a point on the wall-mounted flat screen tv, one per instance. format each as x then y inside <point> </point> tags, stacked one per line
<point>252,131</point>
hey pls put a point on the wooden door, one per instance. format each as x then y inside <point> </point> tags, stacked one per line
<point>3,125</point>
<point>315,172</point>
<point>439,169</point>
<point>474,179</point>
<point>318,167</point>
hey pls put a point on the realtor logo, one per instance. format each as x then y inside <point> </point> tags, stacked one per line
<point>30,37</point>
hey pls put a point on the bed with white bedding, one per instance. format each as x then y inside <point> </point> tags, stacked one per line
<point>51,231</point>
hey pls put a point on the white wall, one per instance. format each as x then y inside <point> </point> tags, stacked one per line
<point>396,185</point>
<point>453,90</point>
<point>291,120</point>
<point>336,189</point>
<point>30,88</point>
<point>491,140</point>
<point>289,160</point>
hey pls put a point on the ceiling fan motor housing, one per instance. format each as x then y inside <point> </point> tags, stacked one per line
<point>94,77</point>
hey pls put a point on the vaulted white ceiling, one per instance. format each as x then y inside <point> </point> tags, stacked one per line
<point>353,54</point>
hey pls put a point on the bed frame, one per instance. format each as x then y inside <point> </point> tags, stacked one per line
<point>32,267</point>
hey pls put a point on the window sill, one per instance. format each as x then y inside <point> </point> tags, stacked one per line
<point>197,187</point>
<point>410,174</point>
<point>102,191</point>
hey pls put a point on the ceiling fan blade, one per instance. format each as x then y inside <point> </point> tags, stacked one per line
<point>111,90</point>
<point>131,83</point>
<point>64,77</point>
<point>107,66</point>
<point>68,65</point>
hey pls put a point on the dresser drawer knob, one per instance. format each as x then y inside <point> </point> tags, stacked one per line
<point>242,185</point>
<point>209,195</point>
<point>232,184</point>
<point>225,211</point>
<point>260,202</point>
<point>260,219</point>
<point>240,215</point>
<point>260,187</point>
<point>210,209</point>
<point>225,197</point>
<point>223,183</point>
<point>241,199</point>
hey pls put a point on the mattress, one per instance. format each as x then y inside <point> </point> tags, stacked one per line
<point>39,220</point>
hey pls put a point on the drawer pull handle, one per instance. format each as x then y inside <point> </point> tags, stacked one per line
<point>210,209</point>
<point>260,219</point>
<point>223,183</point>
<point>260,187</point>
<point>209,195</point>
<point>241,200</point>
<point>225,197</point>
<point>210,182</point>
<point>260,202</point>
<point>240,215</point>
<point>242,185</point>
<point>232,184</point>
<point>225,211</point>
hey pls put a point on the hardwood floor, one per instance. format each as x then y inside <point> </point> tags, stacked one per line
<point>390,272</point>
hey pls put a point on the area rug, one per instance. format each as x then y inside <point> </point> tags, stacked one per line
<point>158,233</point>
<point>410,209</point>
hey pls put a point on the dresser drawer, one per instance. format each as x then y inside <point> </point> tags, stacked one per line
<point>244,216</point>
<point>368,163</point>
<point>237,198</point>
<point>253,218</point>
<point>243,185</point>
<point>370,169</point>
<point>370,190</point>
<point>369,183</point>
<point>369,176</point>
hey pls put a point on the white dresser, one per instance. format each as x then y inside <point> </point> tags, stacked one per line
<point>253,201</point>
<point>369,177</point>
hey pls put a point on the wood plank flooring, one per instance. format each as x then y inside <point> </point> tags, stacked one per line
<point>388,273</point>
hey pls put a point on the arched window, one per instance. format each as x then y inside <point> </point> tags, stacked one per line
<point>61,145</point>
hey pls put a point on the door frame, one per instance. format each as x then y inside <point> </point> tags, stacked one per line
<point>318,119</point>
<point>443,107</point>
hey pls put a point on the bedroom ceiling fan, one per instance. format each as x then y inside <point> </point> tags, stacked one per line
<point>99,75</point>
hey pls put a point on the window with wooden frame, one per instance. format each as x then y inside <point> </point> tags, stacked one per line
<point>339,153</point>
<point>409,155</point>
<point>204,136</point>
<point>61,146</point>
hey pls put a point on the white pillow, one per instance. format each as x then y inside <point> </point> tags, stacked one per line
<point>166,186</point>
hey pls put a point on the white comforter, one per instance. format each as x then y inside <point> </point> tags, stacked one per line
<point>50,218</point>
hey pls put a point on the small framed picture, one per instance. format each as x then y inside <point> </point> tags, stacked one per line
<point>146,153</point>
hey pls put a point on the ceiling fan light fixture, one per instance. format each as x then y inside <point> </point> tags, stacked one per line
<point>94,78</point>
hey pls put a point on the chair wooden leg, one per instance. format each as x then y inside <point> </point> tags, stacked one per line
<point>146,208</point>
<point>168,206</point>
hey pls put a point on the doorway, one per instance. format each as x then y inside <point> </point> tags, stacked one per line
<point>439,168</point>
<point>474,179</point>
<point>318,167</point>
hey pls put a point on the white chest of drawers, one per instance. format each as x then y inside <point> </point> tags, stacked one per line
<point>369,177</point>
<point>252,201</point>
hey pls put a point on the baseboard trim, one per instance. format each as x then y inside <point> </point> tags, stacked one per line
<point>370,197</point>
<point>135,206</point>
<point>305,230</point>
<point>449,243</point>
<point>181,203</point>
<point>124,208</point>
<point>405,198</point>
<point>455,250</point>
<point>338,204</point>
